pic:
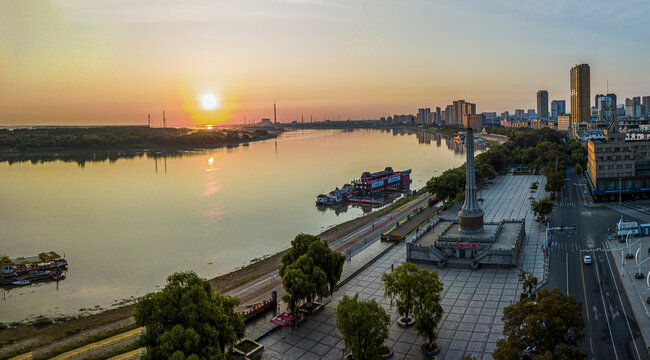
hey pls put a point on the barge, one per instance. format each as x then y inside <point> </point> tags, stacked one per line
<point>22,271</point>
<point>370,184</point>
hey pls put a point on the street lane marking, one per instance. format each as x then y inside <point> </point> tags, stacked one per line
<point>591,345</point>
<point>602,297</point>
<point>567,273</point>
<point>623,307</point>
<point>584,291</point>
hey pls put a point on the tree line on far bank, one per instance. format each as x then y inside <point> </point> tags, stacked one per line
<point>543,151</point>
<point>120,136</point>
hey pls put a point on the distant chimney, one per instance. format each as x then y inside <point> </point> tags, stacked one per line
<point>275,119</point>
<point>149,119</point>
<point>164,124</point>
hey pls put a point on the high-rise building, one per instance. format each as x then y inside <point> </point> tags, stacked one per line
<point>558,107</point>
<point>519,114</point>
<point>611,96</point>
<point>424,116</point>
<point>530,114</point>
<point>580,94</point>
<point>606,110</point>
<point>474,121</point>
<point>505,115</point>
<point>542,104</point>
<point>633,107</point>
<point>438,115</point>
<point>645,101</point>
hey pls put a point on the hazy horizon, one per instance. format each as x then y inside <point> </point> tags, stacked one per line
<point>92,62</point>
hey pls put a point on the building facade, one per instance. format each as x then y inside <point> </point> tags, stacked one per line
<point>580,95</point>
<point>424,116</point>
<point>542,104</point>
<point>563,123</point>
<point>558,107</point>
<point>618,167</point>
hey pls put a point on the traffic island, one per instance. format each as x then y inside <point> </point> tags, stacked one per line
<point>247,348</point>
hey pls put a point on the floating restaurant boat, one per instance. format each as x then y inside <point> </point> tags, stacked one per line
<point>369,184</point>
<point>17,271</point>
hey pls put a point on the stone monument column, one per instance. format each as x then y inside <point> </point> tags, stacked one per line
<point>471,215</point>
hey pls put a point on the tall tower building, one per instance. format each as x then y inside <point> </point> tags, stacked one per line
<point>542,104</point>
<point>558,107</point>
<point>580,94</point>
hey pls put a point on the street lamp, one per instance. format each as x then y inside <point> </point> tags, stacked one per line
<point>620,190</point>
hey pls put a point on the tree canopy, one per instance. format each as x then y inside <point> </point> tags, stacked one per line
<point>542,207</point>
<point>187,320</point>
<point>548,326</point>
<point>428,311</point>
<point>401,286</point>
<point>310,269</point>
<point>528,282</point>
<point>364,326</point>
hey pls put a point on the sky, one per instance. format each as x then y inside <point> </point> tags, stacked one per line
<point>95,62</point>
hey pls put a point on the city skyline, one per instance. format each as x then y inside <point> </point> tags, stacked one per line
<point>115,62</point>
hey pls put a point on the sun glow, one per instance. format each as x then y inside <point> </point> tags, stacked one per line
<point>209,101</point>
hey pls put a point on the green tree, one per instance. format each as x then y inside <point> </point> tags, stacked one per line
<point>534,185</point>
<point>554,180</point>
<point>542,207</point>
<point>186,319</point>
<point>303,280</point>
<point>309,269</point>
<point>428,311</point>
<point>528,283</point>
<point>546,327</point>
<point>364,326</point>
<point>400,286</point>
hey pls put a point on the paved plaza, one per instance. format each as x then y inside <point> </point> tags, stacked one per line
<point>473,300</point>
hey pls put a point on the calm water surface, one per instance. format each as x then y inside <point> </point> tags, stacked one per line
<point>124,226</point>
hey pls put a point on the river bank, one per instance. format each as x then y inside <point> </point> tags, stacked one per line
<point>26,336</point>
<point>82,155</point>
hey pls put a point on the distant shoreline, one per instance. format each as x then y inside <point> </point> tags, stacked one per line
<point>90,153</point>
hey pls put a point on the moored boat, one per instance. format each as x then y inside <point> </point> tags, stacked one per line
<point>21,282</point>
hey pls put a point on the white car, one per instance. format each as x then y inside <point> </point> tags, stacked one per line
<point>586,259</point>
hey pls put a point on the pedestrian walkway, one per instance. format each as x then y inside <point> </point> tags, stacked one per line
<point>637,290</point>
<point>473,300</point>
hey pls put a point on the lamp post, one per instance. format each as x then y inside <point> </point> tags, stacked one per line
<point>620,190</point>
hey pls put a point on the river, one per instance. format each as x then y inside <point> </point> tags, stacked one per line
<point>125,225</point>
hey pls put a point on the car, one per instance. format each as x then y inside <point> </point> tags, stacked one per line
<point>586,259</point>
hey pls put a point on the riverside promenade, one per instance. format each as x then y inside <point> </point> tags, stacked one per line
<point>473,300</point>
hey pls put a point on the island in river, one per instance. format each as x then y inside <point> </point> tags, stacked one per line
<point>82,144</point>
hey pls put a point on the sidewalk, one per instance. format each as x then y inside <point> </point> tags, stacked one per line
<point>261,326</point>
<point>637,290</point>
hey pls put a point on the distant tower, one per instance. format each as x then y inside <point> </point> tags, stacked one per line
<point>311,119</point>
<point>149,119</point>
<point>302,119</point>
<point>164,122</point>
<point>275,119</point>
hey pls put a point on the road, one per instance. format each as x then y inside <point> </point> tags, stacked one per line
<point>611,330</point>
<point>260,289</point>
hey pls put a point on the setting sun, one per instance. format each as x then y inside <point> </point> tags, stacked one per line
<point>209,101</point>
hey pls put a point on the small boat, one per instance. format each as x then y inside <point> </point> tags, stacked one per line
<point>43,273</point>
<point>21,282</point>
<point>58,277</point>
